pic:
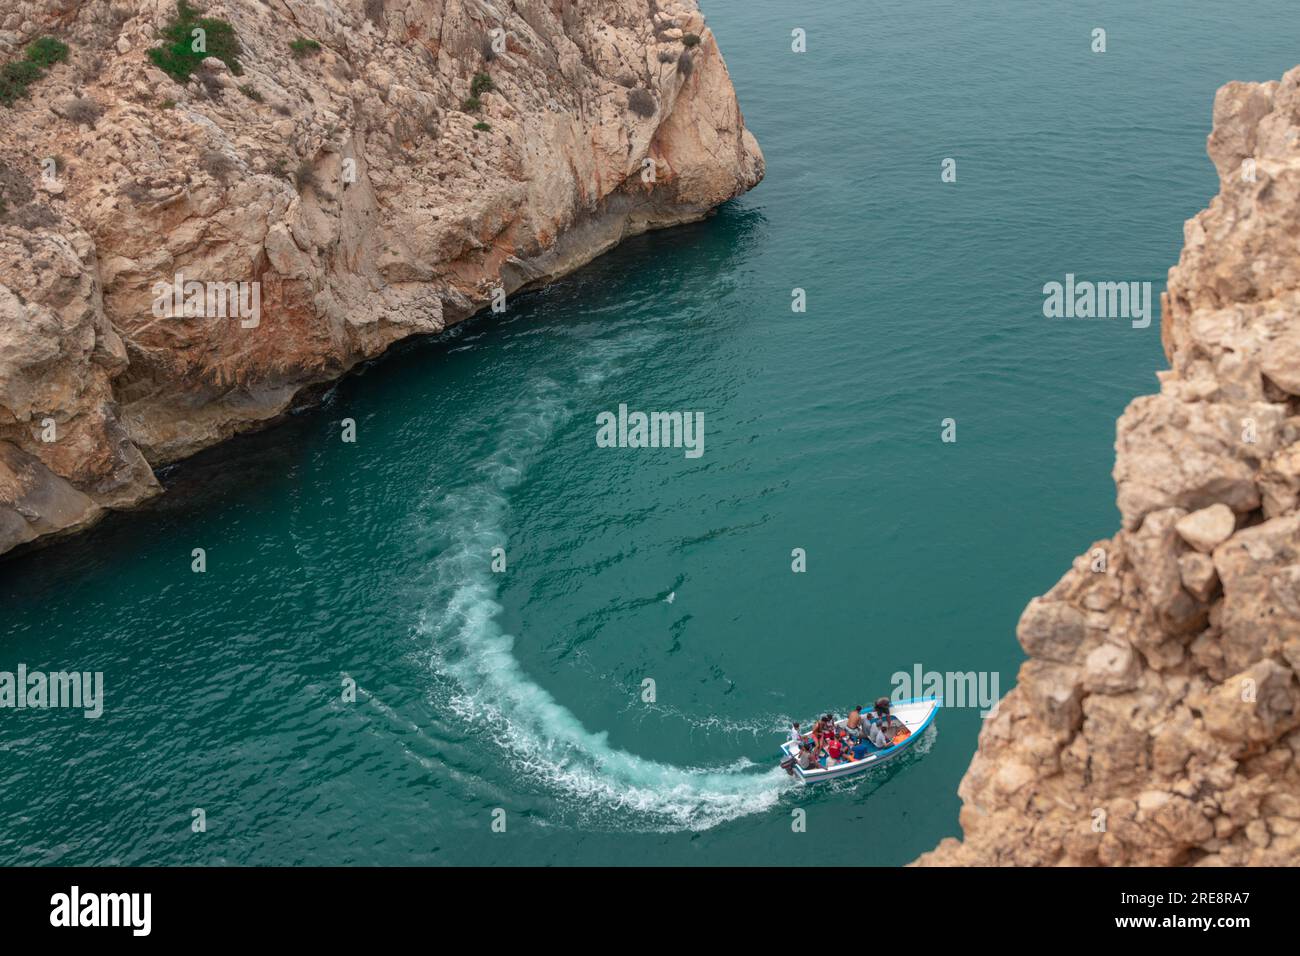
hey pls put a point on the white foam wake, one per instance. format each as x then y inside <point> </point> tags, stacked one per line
<point>540,737</point>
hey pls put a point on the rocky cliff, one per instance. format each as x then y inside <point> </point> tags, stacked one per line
<point>370,169</point>
<point>1157,719</point>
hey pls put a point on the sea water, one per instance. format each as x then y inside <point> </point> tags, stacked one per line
<point>478,634</point>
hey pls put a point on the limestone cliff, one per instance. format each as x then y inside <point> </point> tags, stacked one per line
<point>378,167</point>
<point>1157,719</point>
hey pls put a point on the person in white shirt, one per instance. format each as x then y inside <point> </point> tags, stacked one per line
<point>875,734</point>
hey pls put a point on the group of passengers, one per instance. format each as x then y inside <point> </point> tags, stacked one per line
<point>829,744</point>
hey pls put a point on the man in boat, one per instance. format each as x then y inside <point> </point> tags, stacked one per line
<point>854,722</point>
<point>796,737</point>
<point>807,758</point>
<point>889,725</point>
<point>862,747</point>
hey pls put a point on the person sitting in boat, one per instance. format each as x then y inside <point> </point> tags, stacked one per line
<point>823,729</point>
<point>796,737</point>
<point>836,752</point>
<point>807,758</point>
<point>854,722</point>
<point>872,734</point>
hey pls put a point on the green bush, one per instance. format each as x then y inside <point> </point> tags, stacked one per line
<point>46,51</point>
<point>17,75</point>
<point>482,83</point>
<point>177,56</point>
<point>482,126</point>
<point>471,105</point>
<point>690,40</point>
<point>251,93</point>
<point>302,47</point>
<point>21,72</point>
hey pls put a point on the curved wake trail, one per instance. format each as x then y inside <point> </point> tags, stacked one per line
<point>543,739</point>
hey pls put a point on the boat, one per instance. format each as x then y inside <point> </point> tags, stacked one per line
<point>916,713</point>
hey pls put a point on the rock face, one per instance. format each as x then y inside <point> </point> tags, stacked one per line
<point>380,185</point>
<point>1157,720</point>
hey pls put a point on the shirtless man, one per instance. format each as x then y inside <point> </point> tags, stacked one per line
<point>854,722</point>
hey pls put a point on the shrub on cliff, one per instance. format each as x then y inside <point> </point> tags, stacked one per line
<point>690,40</point>
<point>178,58</point>
<point>17,75</point>
<point>302,47</point>
<point>46,51</point>
<point>472,105</point>
<point>642,103</point>
<point>304,177</point>
<point>216,164</point>
<point>482,83</point>
<point>83,111</point>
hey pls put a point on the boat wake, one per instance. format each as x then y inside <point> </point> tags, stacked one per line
<point>488,689</point>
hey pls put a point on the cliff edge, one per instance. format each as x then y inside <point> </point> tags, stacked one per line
<point>331,176</point>
<point>1156,719</point>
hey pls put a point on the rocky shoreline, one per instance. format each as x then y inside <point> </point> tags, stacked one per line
<point>379,169</point>
<point>1157,719</point>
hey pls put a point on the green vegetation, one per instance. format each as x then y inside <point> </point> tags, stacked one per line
<point>482,83</point>
<point>482,126</point>
<point>17,75</point>
<point>251,93</point>
<point>21,72</point>
<point>178,58</point>
<point>471,105</point>
<point>302,47</point>
<point>167,103</point>
<point>46,51</point>
<point>690,40</point>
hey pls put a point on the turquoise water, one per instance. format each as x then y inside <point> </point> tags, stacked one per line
<point>522,690</point>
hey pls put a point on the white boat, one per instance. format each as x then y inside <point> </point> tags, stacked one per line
<point>916,713</point>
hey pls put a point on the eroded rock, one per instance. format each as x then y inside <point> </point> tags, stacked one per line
<point>1176,736</point>
<point>366,189</point>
